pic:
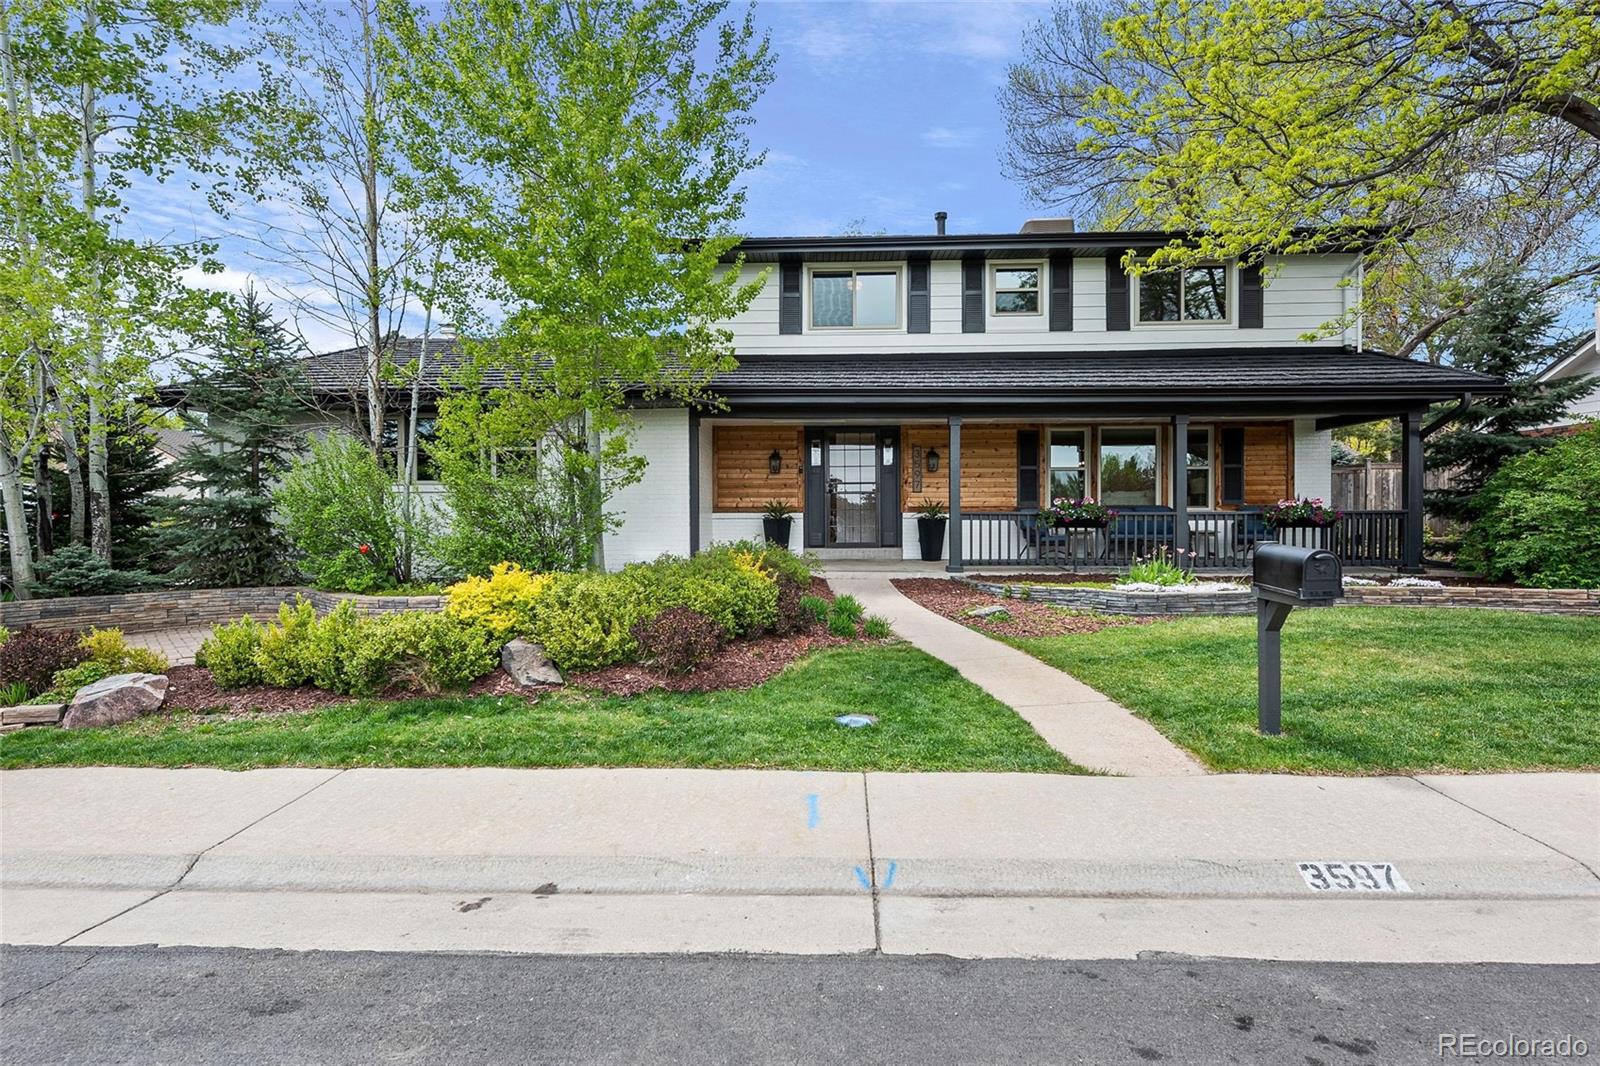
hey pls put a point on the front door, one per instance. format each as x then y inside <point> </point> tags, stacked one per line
<point>852,488</point>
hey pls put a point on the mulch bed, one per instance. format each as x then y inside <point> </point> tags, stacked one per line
<point>190,688</point>
<point>1027,619</point>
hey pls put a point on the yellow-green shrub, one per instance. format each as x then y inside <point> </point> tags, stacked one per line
<point>585,620</point>
<point>232,654</point>
<point>280,655</point>
<point>504,603</point>
<point>423,650</point>
<point>111,649</point>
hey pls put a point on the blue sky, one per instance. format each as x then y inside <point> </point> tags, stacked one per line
<point>883,113</point>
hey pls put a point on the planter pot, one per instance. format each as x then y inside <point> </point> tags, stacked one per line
<point>930,537</point>
<point>1083,523</point>
<point>1303,536</point>
<point>776,530</point>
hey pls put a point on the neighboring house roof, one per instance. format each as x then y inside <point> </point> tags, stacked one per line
<point>1582,361</point>
<point>174,442</point>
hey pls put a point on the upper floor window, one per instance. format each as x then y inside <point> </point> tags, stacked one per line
<point>1192,294</point>
<point>1016,289</point>
<point>855,299</point>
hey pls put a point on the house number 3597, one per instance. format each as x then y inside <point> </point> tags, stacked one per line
<point>1352,877</point>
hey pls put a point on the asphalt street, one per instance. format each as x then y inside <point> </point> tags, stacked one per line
<point>188,1005</point>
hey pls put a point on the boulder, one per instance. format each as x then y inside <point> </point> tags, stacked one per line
<point>527,664</point>
<point>114,700</point>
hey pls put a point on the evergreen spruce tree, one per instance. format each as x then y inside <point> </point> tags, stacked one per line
<point>241,406</point>
<point>1507,334</point>
<point>139,481</point>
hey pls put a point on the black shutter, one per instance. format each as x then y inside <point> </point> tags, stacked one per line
<point>1060,293</point>
<point>1251,301</point>
<point>1233,465</point>
<point>1116,293</point>
<point>1027,469</point>
<point>972,293</point>
<point>789,295</point>
<point>917,268</point>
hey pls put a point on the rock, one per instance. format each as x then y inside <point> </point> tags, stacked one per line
<point>986,612</point>
<point>527,664</point>
<point>114,700</point>
<point>32,714</point>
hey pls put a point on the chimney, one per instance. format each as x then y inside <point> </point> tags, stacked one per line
<point>1047,225</point>
<point>938,221</point>
<point>445,330</point>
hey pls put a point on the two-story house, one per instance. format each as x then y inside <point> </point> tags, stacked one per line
<point>992,372</point>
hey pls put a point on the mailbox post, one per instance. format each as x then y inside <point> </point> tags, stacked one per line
<point>1285,577</point>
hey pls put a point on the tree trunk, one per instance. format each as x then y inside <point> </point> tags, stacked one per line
<point>16,523</point>
<point>370,226</point>
<point>72,459</point>
<point>99,483</point>
<point>596,499</point>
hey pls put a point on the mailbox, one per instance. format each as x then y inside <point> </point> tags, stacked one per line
<point>1286,577</point>
<point>1297,576</point>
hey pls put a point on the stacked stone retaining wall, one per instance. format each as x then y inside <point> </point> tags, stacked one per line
<point>135,612</point>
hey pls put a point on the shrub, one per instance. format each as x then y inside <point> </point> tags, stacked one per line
<point>1538,517</point>
<point>5,635</point>
<point>728,587</point>
<point>815,607</point>
<point>13,693</point>
<point>503,604</point>
<point>67,682</point>
<point>847,607</point>
<point>109,648</point>
<point>877,627</point>
<point>677,640</point>
<point>341,513</point>
<point>74,570</point>
<point>232,654</point>
<point>32,656</point>
<point>421,650</point>
<point>281,655</point>
<point>791,614</point>
<point>1162,567</point>
<point>586,620</point>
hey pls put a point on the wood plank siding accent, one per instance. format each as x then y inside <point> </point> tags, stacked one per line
<point>739,466</point>
<point>988,464</point>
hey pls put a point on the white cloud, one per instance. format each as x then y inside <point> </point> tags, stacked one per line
<point>945,137</point>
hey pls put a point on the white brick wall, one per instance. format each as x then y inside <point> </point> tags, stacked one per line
<point>655,509</point>
<point>1313,460</point>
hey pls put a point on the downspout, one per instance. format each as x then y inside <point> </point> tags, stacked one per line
<point>1447,417</point>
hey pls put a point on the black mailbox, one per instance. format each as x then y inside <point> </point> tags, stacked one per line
<point>1297,576</point>
<point>1286,577</point>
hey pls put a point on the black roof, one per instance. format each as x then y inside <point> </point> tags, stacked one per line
<point>1293,378</point>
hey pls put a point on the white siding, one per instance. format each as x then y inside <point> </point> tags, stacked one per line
<point>729,526</point>
<point>1587,407</point>
<point>1313,460</point>
<point>654,509</point>
<point>1303,294</point>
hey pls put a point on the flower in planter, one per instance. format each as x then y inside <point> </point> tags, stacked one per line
<point>1076,511</point>
<point>1304,511</point>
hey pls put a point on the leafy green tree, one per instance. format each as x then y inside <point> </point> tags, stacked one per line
<point>1539,517</point>
<point>594,150</point>
<point>1450,136</point>
<point>1506,334</point>
<point>242,407</point>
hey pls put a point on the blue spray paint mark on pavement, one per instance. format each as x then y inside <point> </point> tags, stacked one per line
<point>888,877</point>
<point>861,875</point>
<point>813,810</point>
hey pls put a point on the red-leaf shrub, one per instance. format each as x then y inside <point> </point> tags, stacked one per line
<point>792,616</point>
<point>32,656</point>
<point>677,640</point>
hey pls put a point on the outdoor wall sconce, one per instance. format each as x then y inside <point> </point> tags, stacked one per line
<point>933,460</point>
<point>775,462</point>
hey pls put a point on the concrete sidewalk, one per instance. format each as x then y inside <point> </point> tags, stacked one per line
<point>1078,721</point>
<point>1500,868</point>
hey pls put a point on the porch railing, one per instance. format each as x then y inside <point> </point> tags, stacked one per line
<point>1221,540</point>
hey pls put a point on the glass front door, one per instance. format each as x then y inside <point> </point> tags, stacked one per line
<point>852,470</point>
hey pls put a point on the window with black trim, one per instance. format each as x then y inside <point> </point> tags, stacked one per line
<point>1198,472</point>
<point>1189,294</point>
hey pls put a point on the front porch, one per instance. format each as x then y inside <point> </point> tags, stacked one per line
<point>1187,483</point>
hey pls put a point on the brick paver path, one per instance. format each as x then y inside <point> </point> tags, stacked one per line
<point>178,645</point>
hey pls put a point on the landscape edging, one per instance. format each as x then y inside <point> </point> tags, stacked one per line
<point>1110,601</point>
<point>137,612</point>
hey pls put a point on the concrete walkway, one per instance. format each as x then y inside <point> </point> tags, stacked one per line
<point>1076,720</point>
<point>1499,868</point>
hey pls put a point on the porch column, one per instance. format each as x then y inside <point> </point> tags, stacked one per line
<point>1411,491</point>
<point>954,565</point>
<point>1180,483</point>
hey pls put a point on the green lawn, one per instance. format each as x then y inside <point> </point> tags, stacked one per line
<point>929,719</point>
<point>1365,689</point>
